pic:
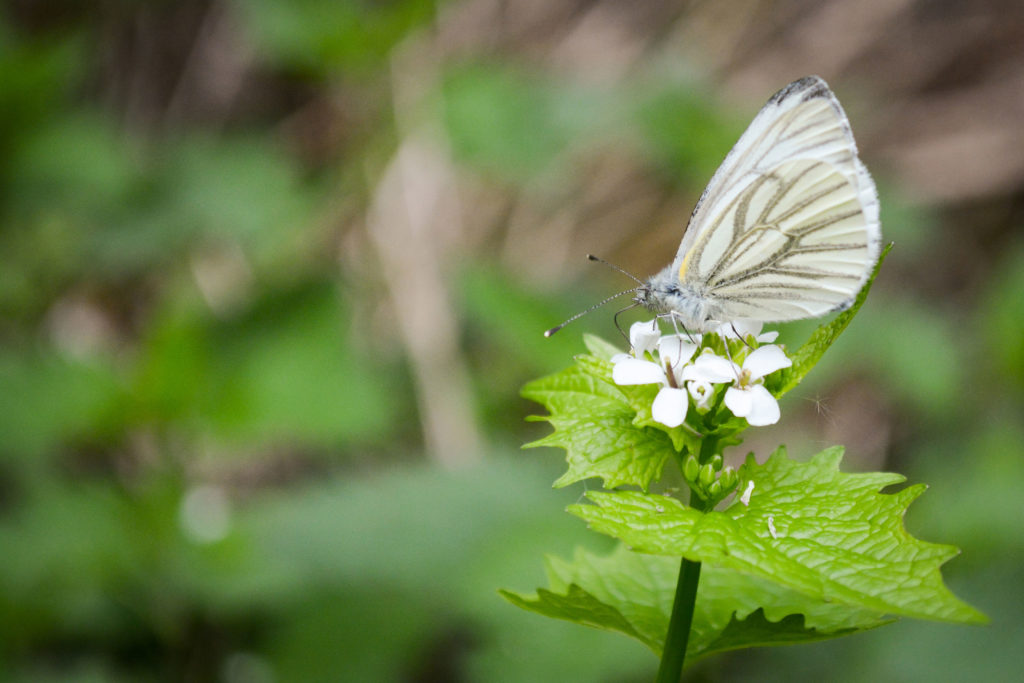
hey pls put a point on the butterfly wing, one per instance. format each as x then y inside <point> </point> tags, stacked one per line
<point>788,226</point>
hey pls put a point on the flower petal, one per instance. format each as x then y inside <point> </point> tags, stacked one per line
<point>675,349</point>
<point>766,360</point>
<point>711,368</point>
<point>745,498</point>
<point>740,329</point>
<point>636,371</point>
<point>739,401</point>
<point>764,409</point>
<point>669,407</point>
<point>619,357</point>
<point>643,337</point>
<point>768,337</point>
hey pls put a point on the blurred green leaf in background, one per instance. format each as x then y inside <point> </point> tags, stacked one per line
<point>215,452</point>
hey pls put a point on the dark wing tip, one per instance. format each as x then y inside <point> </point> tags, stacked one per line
<point>806,88</point>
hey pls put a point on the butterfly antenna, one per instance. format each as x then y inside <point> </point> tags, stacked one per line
<point>579,315</point>
<point>615,267</point>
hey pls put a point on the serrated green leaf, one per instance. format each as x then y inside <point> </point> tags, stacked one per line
<point>599,347</point>
<point>580,607</point>
<point>570,405</point>
<point>758,631</point>
<point>593,422</point>
<point>808,527</point>
<point>632,594</point>
<point>641,400</point>
<point>808,355</point>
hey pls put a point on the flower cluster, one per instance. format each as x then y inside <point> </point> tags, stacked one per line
<point>687,376</point>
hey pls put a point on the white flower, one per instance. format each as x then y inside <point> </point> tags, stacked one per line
<point>643,337</point>
<point>748,397</point>
<point>675,352</point>
<point>670,405</point>
<point>711,368</point>
<point>701,392</point>
<point>682,380</point>
<point>743,328</point>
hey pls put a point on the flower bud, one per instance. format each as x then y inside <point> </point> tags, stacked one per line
<point>691,468</point>
<point>729,479</point>
<point>707,475</point>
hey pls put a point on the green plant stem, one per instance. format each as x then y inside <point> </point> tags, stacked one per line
<point>674,653</point>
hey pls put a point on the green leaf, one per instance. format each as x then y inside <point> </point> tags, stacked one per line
<point>49,400</point>
<point>594,423</point>
<point>608,430</point>
<point>322,37</point>
<point>685,130</point>
<point>599,347</point>
<point>631,593</point>
<point>279,371</point>
<point>808,355</point>
<point>538,118</point>
<point>808,527</point>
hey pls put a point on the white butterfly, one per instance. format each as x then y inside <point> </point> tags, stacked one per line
<point>786,229</point>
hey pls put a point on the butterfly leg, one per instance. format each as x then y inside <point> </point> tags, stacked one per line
<point>615,319</point>
<point>739,336</point>
<point>671,315</point>
<point>728,354</point>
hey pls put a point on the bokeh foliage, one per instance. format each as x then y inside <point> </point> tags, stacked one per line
<point>211,465</point>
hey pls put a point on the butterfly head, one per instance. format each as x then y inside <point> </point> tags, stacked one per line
<point>664,294</point>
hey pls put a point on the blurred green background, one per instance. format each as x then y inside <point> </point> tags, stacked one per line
<point>272,274</point>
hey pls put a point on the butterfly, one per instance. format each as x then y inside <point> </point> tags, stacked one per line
<point>787,228</point>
